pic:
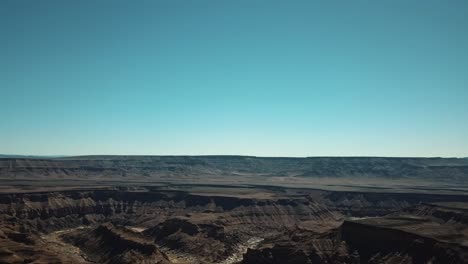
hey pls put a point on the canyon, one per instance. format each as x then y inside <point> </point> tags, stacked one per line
<point>234,209</point>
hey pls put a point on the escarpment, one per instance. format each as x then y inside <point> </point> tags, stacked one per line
<point>167,167</point>
<point>365,204</point>
<point>47,212</point>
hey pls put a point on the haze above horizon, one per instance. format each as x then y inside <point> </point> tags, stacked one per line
<point>260,78</point>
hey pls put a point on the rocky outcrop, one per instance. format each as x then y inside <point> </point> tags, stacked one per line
<point>442,212</point>
<point>108,244</point>
<point>205,240</point>
<point>301,247</point>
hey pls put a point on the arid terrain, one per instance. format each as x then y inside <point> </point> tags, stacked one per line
<point>233,209</point>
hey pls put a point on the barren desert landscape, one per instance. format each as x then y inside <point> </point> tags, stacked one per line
<point>233,132</point>
<point>233,209</point>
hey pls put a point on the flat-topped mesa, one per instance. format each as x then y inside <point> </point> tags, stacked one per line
<point>146,168</point>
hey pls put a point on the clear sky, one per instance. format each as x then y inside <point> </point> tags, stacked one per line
<point>269,78</point>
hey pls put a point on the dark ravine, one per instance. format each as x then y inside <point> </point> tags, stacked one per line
<point>374,243</point>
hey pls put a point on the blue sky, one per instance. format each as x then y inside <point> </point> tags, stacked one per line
<point>268,78</point>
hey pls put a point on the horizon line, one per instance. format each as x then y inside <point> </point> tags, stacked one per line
<point>218,155</point>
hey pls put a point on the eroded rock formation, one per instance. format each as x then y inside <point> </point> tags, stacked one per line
<point>149,225</point>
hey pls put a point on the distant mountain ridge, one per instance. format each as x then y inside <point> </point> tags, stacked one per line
<point>170,167</point>
<point>9,156</point>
